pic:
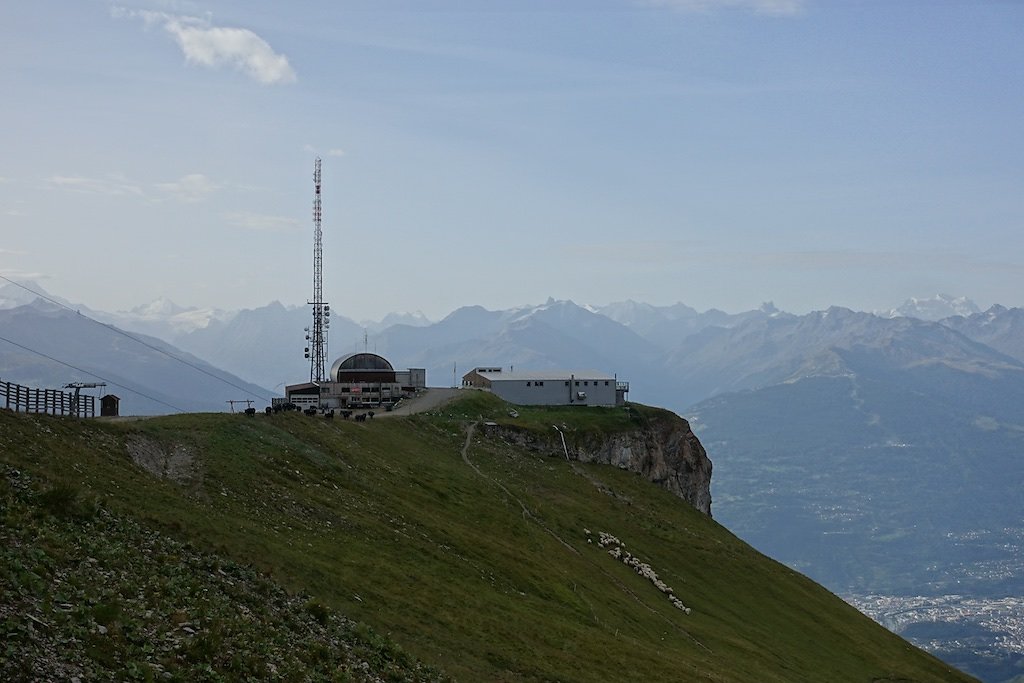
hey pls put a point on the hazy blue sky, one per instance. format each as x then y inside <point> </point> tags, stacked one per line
<point>716,152</point>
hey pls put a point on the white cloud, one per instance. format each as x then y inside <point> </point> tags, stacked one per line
<point>333,152</point>
<point>777,7</point>
<point>217,46</point>
<point>261,222</point>
<point>24,275</point>
<point>190,188</point>
<point>115,185</point>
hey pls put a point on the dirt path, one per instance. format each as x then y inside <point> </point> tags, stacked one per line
<point>427,399</point>
<point>526,512</point>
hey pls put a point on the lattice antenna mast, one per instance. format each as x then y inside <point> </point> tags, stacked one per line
<point>316,352</point>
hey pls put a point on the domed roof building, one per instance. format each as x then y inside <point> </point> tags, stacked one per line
<point>358,380</point>
<point>362,367</point>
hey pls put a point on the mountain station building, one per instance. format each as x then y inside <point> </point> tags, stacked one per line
<point>550,387</point>
<point>359,380</point>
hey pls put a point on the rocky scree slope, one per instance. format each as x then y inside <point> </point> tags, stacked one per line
<point>87,594</point>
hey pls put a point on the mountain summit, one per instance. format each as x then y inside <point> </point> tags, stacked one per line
<point>935,308</point>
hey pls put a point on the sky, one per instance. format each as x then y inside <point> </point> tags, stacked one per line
<point>721,153</point>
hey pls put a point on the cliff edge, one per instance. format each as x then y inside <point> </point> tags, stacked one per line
<point>664,451</point>
<point>656,444</point>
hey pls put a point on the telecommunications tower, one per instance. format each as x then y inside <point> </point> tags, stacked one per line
<point>317,334</point>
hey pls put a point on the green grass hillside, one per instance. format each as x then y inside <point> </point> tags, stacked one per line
<point>443,544</point>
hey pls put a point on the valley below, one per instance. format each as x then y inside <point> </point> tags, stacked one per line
<point>977,634</point>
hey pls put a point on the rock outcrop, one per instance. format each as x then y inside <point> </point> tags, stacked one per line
<point>664,450</point>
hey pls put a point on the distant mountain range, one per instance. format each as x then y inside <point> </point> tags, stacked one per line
<point>673,355</point>
<point>52,346</point>
<point>882,454</point>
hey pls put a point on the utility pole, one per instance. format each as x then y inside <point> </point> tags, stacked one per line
<point>321,310</point>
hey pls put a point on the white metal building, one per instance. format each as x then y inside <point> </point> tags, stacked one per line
<point>550,387</point>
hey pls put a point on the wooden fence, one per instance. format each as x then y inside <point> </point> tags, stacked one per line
<point>52,401</point>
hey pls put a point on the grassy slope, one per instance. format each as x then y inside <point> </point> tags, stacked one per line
<point>384,521</point>
<point>89,594</point>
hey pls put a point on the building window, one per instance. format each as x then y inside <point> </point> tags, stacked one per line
<point>566,382</point>
<point>577,382</point>
<point>540,384</point>
<point>527,384</point>
<point>606,382</point>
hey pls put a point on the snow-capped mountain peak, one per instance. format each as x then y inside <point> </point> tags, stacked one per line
<point>159,308</point>
<point>14,294</point>
<point>934,308</point>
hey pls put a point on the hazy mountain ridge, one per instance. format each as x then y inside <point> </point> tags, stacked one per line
<point>164,318</point>
<point>672,355</point>
<point>865,467</point>
<point>413,319</point>
<point>162,383</point>
<point>999,327</point>
<point>667,326</point>
<point>159,318</point>
<point>264,345</point>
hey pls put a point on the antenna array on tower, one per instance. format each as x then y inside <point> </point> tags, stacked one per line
<point>317,334</point>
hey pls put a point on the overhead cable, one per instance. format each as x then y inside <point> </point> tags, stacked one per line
<point>92,374</point>
<point>137,340</point>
